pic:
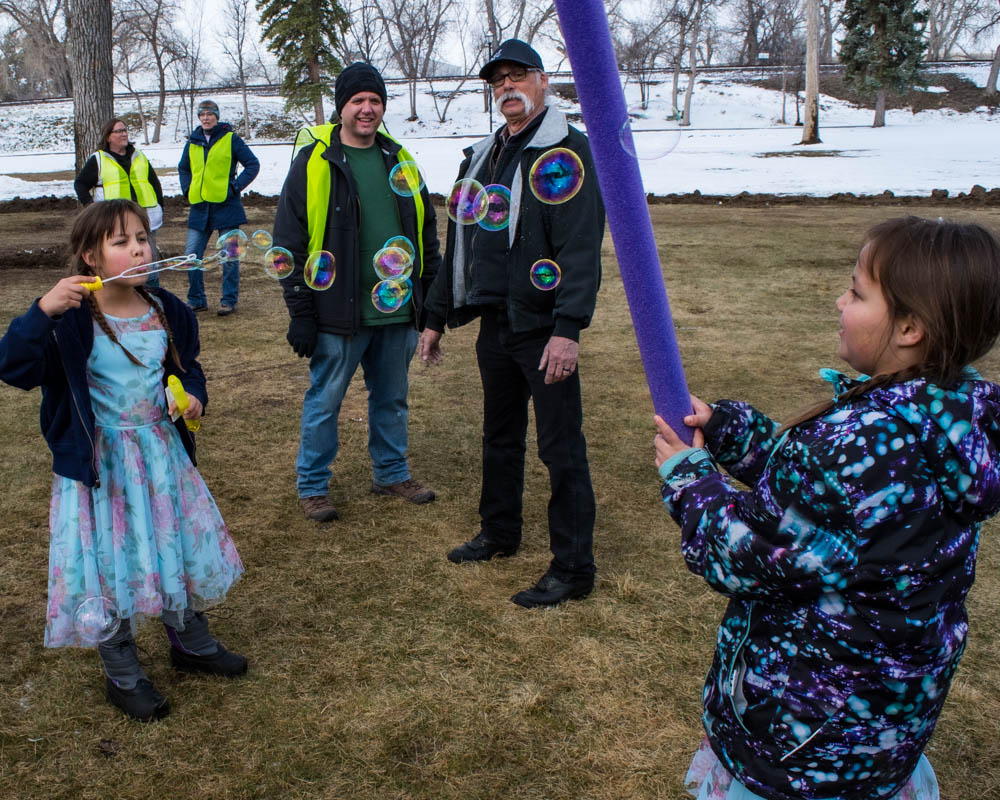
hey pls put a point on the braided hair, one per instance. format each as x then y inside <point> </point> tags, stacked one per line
<point>946,276</point>
<point>92,226</point>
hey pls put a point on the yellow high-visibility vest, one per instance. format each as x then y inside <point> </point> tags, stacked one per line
<point>210,181</point>
<point>117,184</point>
<point>318,185</point>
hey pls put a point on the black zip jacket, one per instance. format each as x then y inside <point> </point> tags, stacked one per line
<point>337,310</point>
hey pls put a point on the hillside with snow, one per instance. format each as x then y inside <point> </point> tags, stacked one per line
<point>736,142</point>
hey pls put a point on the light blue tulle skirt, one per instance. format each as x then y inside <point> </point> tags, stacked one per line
<point>708,779</point>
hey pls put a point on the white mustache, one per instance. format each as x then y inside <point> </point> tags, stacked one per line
<point>514,94</point>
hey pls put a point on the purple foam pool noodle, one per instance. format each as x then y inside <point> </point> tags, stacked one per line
<point>585,30</point>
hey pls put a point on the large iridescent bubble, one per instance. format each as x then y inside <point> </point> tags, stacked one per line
<point>556,176</point>
<point>278,263</point>
<point>213,261</point>
<point>94,620</point>
<point>233,244</point>
<point>405,179</point>
<point>262,239</point>
<point>654,140</point>
<point>389,296</point>
<point>320,270</point>
<point>403,243</point>
<point>393,264</point>
<point>497,216</point>
<point>467,204</point>
<point>545,274</point>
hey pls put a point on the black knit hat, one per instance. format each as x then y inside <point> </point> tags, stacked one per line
<point>208,105</point>
<point>358,77</point>
<point>515,51</point>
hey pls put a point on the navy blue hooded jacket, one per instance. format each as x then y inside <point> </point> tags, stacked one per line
<point>52,352</point>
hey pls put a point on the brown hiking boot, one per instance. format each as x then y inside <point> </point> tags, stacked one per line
<point>410,490</point>
<point>318,508</point>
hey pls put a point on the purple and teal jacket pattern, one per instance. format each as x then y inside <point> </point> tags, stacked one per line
<point>847,563</point>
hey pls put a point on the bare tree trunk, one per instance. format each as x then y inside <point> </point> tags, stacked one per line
<point>810,131</point>
<point>318,105</point>
<point>879,109</point>
<point>991,81</point>
<point>92,73</point>
<point>162,102</point>
<point>246,111</point>
<point>784,91</point>
<point>692,55</point>
<point>413,100</point>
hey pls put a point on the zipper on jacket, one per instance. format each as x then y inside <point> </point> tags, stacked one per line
<point>733,674</point>
<point>79,413</point>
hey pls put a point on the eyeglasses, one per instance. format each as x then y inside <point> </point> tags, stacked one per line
<point>119,130</point>
<point>516,74</point>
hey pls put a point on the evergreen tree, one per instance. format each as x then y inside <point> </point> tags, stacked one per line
<point>303,34</point>
<point>882,49</point>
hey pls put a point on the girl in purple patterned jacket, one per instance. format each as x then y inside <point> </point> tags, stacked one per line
<point>848,560</point>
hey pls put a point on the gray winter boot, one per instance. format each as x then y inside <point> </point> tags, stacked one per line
<point>194,649</point>
<point>127,686</point>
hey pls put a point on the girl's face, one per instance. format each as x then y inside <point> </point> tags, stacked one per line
<point>865,327</point>
<point>122,249</point>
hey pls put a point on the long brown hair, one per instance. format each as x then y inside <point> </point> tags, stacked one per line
<point>946,276</point>
<point>95,223</point>
<point>106,128</point>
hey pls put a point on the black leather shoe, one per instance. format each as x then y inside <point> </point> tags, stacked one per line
<point>143,702</point>
<point>551,591</point>
<point>221,662</point>
<point>481,548</point>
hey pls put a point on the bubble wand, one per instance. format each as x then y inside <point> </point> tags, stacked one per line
<point>176,389</point>
<point>146,269</point>
<point>585,30</point>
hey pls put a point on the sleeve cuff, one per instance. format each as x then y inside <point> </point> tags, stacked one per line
<point>567,328</point>
<point>686,467</point>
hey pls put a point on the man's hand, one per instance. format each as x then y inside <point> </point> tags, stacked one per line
<point>429,347</point>
<point>559,359</point>
<point>302,336</point>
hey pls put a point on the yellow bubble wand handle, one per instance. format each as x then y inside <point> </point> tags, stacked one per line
<point>176,389</point>
<point>94,285</point>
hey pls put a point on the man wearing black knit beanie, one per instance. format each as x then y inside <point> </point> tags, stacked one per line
<point>351,192</point>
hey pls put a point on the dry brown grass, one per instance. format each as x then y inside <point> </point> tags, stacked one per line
<point>379,670</point>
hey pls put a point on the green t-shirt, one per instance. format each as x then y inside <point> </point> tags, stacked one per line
<point>379,223</point>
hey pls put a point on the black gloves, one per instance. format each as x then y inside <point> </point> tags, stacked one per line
<point>302,336</point>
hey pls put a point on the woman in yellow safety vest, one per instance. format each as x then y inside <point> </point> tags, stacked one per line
<point>119,170</point>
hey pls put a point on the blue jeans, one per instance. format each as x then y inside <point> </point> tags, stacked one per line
<point>384,353</point>
<point>196,242</point>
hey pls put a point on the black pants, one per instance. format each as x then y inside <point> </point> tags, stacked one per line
<point>508,366</point>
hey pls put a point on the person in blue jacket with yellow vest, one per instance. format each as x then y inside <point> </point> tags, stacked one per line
<point>120,171</point>
<point>337,197</point>
<point>207,172</point>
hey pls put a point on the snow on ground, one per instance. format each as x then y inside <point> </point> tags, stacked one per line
<point>736,142</point>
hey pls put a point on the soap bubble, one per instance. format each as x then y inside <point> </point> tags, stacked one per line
<point>212,261</point>
<point>94,620</point>
<point>545,274</point>
<point>556,176</point>
<point>320,270</point>
<point>403,243</point>
<point>262,239</point>
<point>467,204</point>
<point>652,142</point>
<point>233,244</point>
<point>388,296</point>
<point>188,263</point>
<point>393,263</point>
<point>278,263</point>
<point>405,179</point>
<point>497,200</point>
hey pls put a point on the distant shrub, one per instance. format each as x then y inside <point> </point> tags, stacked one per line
<point>567,91</point>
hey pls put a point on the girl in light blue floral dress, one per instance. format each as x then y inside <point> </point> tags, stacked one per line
<point>135,532</point>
